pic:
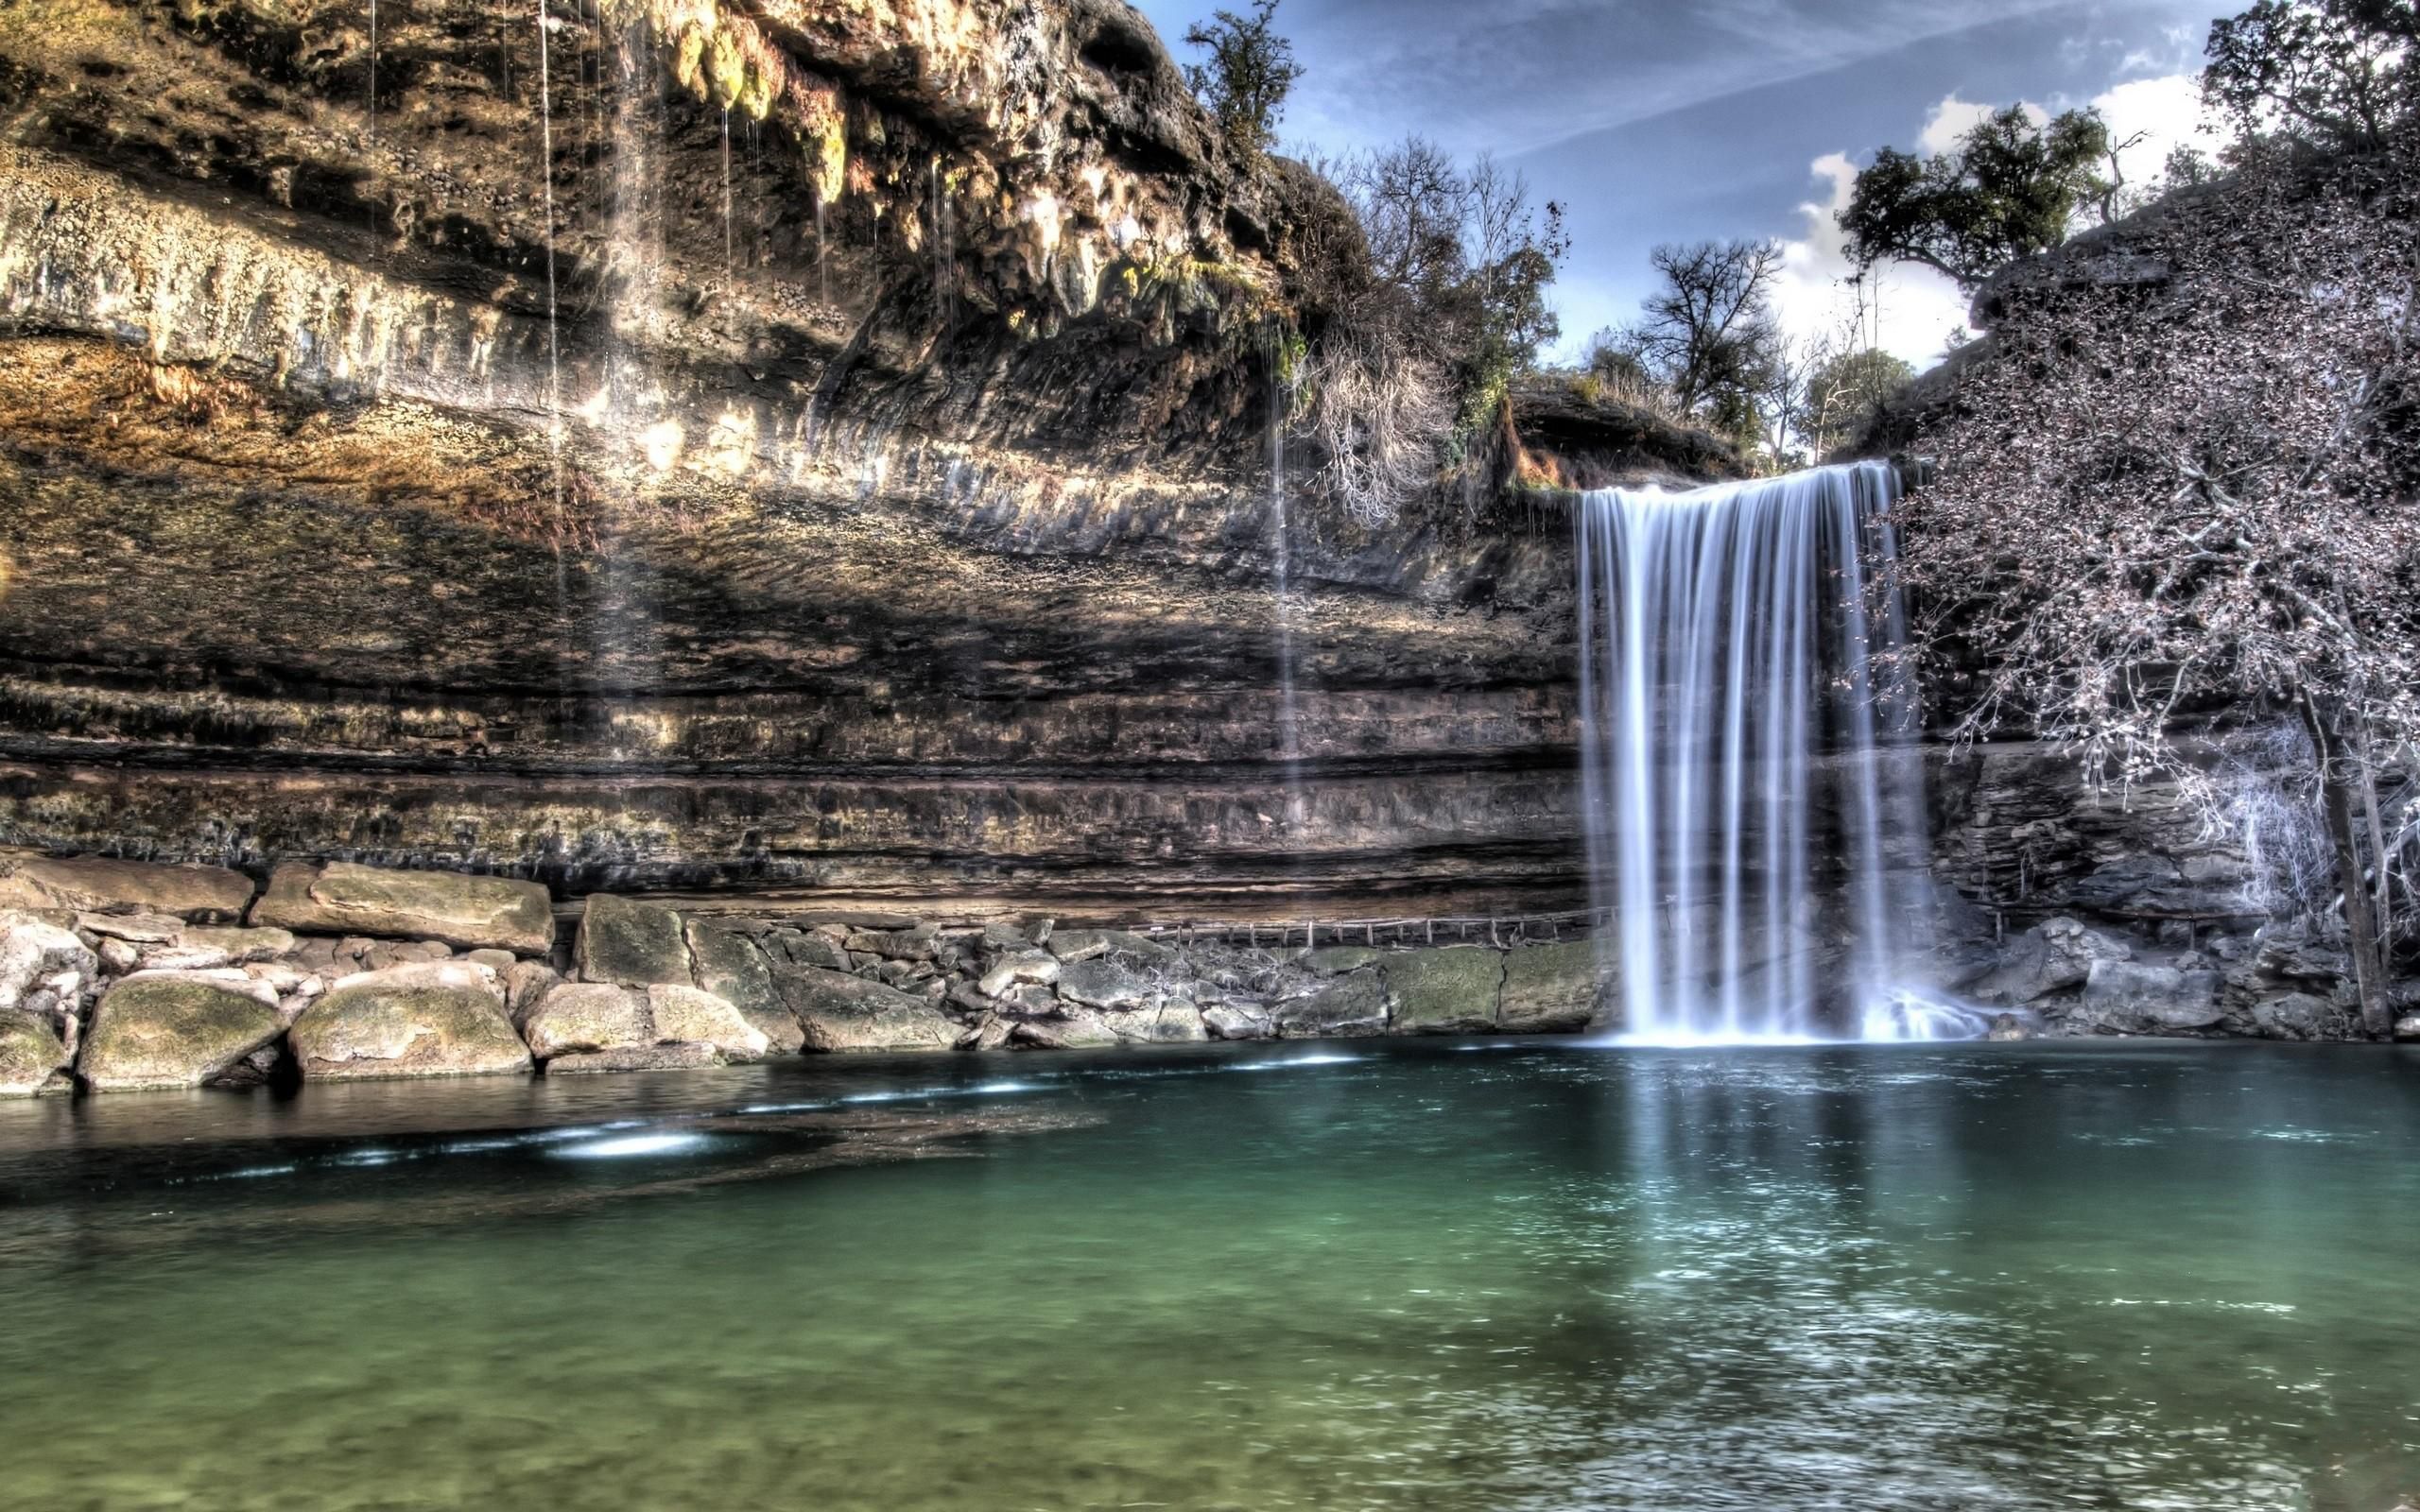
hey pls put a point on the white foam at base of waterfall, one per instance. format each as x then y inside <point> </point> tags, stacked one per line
<point>1752,798</point>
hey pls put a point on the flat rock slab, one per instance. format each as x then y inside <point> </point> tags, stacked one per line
<point>842,1013</point>
<point>195,894</point>
<point>468,912</point>
<point>1445,991</point>
<point>153,1033</point>
<point>630,943</point>
<point>1549,989</point>
<point>636,1057</point>
<point>377,1033</point>
<point>31,1056</point>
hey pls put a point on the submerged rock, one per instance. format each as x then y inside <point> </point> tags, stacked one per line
<point>636,1057</point>
<point>462,911</point>
<point>31,1057</point>
<point>1445,991</point>
<point>167,1031</point>
<point>376,1032</point>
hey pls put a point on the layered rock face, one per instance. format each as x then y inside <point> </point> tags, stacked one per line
<point>755,445</point>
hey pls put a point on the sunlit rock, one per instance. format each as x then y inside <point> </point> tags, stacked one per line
<point>158,1032</point>
<point>461,911</point>
<point>102,885</point>
<point>32,1059</point>
<point>373,1032</point>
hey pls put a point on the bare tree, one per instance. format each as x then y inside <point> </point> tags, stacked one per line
<point>1708,334</point>
<point>2204,503</point>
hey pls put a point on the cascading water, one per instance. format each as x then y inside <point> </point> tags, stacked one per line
<point>1749,783</point>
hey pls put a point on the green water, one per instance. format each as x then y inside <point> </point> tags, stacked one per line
<point>1401,1277</point>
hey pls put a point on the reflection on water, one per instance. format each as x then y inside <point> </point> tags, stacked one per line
<point>2155,1276</point>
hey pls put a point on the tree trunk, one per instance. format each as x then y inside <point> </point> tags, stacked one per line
<point>2341,799</point>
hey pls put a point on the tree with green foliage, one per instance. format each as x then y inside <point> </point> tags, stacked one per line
<point>2337,73</point>
<point>1844,391</point>
<point>2011,188</point>
<point>1251,71</point>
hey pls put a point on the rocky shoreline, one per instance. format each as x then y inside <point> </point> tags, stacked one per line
<point>124,976</point>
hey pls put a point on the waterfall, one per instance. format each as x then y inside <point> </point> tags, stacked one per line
<point>1753,802</point>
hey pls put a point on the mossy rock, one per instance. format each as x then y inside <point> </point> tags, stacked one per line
<point>632,943</point>
<point>374,1032</point>
<point>155,1033</point>
<point>583,1018</point>
<point>1349,1005</point>
<point>1445,991</point>
<point>30,1054</point>
<point>1549,989</point>
<point>839,1013</point>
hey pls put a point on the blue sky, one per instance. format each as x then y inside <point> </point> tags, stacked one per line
<point>1656,121</point>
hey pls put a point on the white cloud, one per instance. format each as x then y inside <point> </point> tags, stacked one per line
<point>1908,311</point>
<point>1911,310</point>
<point>2156,115</point>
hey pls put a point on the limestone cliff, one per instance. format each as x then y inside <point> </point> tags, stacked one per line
<point>776,443</point>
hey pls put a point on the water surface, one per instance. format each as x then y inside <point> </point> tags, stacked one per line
<point>1343,1277</point>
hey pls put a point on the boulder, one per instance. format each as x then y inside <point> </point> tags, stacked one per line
<point>1073,945</point>
<point>1347,1005</point>
<point>580,1017</point>
<point>200,894</point>
<point>1451,991</point>
<point>1019,967</point>
<point>1078,1031</point>
<point>991,1032</point>
<point>2406,1029</point>
<point>32,950</point>
<point>31,1057</point>
<point>687,1015</point>
<point>733,967</point>
<point>838,1012</point>
<point>375,1031</point>
<point>163,1031</point>
<point>2049,958</point>
<point>2007,1028</point>
<point>629,943</point>
<point>465,912</point>
<point>2128,997</point>
<point>1101,982</point>
<point>1231,1020</point>
<point>231,978</point>
<point>2303,1016</point>
<point>790,947</point>
<point>525,984</point>
<point>1548,989</point>
<point>1172,1022</point>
